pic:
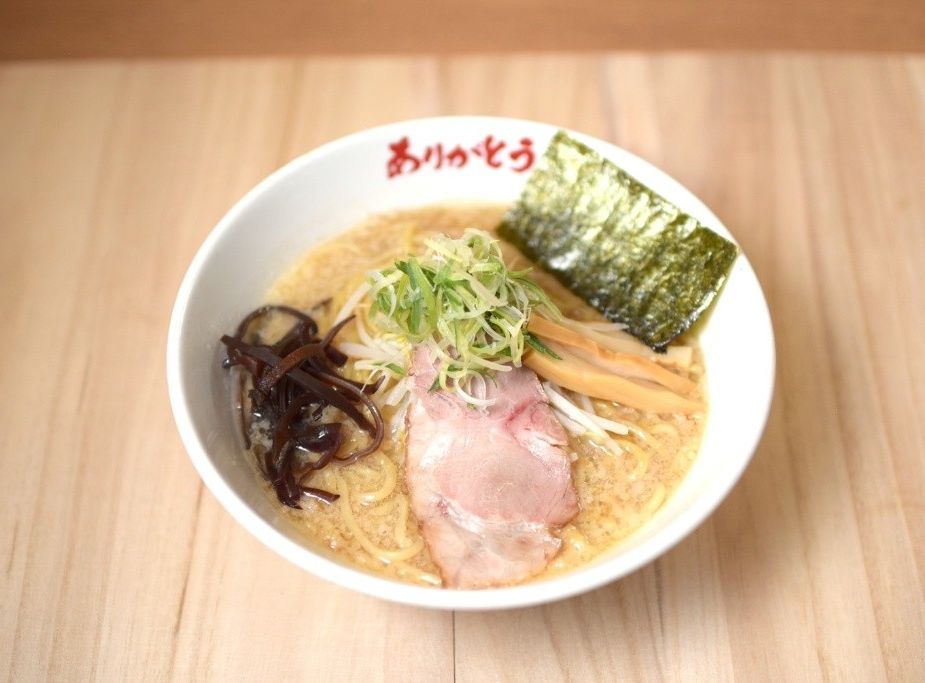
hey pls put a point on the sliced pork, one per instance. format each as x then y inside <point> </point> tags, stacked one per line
<point>487,484</point>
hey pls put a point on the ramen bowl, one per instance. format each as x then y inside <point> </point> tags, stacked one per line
<point>404,165</point>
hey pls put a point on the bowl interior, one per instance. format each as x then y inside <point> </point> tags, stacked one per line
<point>334,187</point>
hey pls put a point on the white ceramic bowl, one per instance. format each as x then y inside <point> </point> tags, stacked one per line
<point>331,189</point>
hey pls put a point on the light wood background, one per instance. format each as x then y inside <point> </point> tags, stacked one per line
<point>42,29</point>
<point>117,565</point>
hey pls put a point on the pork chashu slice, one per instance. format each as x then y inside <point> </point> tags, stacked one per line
<point>488,484</point>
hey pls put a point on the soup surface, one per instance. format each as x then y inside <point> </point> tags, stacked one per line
<point>371,524</point>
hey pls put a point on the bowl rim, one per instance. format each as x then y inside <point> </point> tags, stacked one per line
<point>523,595</point>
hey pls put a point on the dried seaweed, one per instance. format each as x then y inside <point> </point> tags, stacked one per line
<point>627,251</point>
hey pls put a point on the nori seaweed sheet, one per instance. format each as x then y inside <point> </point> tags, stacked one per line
<point>627,251</point>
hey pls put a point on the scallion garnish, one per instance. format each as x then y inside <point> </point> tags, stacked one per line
<point>460,300</point>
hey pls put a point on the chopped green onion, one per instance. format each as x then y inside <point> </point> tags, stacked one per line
<point>535,342</point>
<point>461,300</point>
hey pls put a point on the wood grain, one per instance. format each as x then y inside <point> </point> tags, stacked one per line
<point>44,29</point>
<point>119,565</point>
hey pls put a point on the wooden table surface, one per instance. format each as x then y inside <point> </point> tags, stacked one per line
<point>49,29</point>
<point>118,565</point>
